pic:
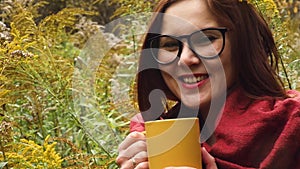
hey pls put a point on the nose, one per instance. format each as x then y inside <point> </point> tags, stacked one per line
<point>188,57</point>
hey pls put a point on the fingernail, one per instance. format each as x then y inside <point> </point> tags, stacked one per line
<point>134,134</point>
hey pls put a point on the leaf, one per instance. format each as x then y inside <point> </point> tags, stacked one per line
<point>3,164</point>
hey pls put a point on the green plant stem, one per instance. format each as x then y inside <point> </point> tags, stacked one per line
<point>285,73</point>
<point>4,156</point>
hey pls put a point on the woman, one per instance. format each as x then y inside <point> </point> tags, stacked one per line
<point>198,51</point>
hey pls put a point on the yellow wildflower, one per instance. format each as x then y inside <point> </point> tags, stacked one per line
<point>28,154</point>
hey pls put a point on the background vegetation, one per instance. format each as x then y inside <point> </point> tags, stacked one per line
<point>58,111</point>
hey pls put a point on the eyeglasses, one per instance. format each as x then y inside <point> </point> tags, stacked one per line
<point>206,43</point>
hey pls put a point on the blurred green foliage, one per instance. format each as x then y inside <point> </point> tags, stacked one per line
<point>47,86</point>
<point>37,67</point>
<point>283,19</point>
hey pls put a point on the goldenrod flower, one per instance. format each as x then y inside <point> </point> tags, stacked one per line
<point>28,154</point>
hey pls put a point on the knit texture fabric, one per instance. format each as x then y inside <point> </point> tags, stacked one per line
<point>261,133</point>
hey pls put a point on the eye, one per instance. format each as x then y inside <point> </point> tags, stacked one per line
<point>168,44</point>
<point>205,38</point>
<point>212,38</point>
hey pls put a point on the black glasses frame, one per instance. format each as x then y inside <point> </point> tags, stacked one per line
<point>222,30</point>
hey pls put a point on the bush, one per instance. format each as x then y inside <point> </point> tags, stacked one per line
<point>53,87</point>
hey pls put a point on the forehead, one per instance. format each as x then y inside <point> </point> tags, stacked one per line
<point>187,16</point>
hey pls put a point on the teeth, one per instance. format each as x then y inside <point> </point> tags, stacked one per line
<point>193,79</point>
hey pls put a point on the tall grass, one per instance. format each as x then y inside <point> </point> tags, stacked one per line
<point>61,92</point>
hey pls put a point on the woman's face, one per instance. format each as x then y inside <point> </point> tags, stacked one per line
<point>191,79</point>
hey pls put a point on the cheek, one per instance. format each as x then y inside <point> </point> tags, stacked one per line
<point>167,72</point>
<point>228,65</point>
<point>221,69</point>
<point>168,76</point>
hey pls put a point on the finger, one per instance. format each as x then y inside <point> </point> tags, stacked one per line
<point>208,160</point>
<point>130,139</point>
<point>142,165</point>
<point>179,168</point>
<point>138,149</point>
<point>128,164</point>
<point>141,157</point>
<point>134,149</point>
<point>121,160</point>
<point>138,158</point>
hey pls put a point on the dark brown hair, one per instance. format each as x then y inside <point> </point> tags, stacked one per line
<point>254,53</point>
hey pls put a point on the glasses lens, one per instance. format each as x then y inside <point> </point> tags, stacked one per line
<point>164,48</point>
<point>207,43</point>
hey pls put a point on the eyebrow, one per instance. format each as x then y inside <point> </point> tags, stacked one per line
<point>193,30</point>
<point>184,35</point>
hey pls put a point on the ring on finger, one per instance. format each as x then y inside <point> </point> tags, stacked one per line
<point>133,162</point>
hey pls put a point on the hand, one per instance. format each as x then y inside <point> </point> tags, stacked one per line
<point>180,168</point>
<point>133,152</point>
<point>207,159</point>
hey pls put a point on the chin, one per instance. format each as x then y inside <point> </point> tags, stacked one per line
<point>192,103</point>
<point>191,106</point>
<point>196,102</point>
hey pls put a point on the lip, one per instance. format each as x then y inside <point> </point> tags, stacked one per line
<point>193,85</point>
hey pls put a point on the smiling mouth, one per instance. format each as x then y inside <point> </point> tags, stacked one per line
<point>192,79</point>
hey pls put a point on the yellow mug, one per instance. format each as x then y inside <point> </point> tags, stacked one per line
<point>173,143</point>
